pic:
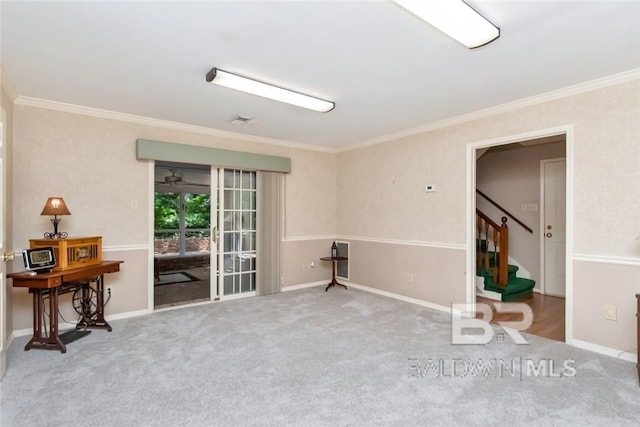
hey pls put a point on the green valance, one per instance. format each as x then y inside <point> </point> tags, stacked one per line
<point>171,152</point>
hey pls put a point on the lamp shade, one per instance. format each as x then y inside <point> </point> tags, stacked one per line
<point>55,206</point>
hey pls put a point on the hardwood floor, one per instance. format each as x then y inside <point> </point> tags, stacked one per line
<point>548,315</point>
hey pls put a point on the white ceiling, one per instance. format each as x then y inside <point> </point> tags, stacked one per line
<point>385,70</point>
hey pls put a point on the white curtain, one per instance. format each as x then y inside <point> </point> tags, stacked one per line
<point>270,208</point>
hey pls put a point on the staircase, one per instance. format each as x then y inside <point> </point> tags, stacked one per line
<point>492,254</point>
<point>517,288</point>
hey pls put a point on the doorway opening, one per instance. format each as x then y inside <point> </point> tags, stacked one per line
<point>205,234</point>
<point>507,186</point>
<point>182,234</point>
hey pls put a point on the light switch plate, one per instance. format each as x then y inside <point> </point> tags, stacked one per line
<point>610,312</point>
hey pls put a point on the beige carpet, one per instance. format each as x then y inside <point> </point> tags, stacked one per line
<point>308,358</point>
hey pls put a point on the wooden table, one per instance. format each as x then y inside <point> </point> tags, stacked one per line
<point>57,282</point>
<point>334,261</point>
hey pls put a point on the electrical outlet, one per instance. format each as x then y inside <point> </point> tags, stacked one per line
<point>410,277</point>
<point>610,312</point>
<point>312,264</point>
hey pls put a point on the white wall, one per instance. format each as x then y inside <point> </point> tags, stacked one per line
<point>91,162</point>
<point>372,196</point>
<point>381,198</point>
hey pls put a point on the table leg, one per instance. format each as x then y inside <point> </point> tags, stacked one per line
<point>334,282</point>
<point>37,319</point>
<point>52,341</point>
<point>98,321</point>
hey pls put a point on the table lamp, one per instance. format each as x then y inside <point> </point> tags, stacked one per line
<point>55,206</point>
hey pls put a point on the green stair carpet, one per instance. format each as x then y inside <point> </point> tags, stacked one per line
<point>517,287</point>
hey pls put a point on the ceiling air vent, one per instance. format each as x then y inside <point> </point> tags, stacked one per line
<point>240,120</point>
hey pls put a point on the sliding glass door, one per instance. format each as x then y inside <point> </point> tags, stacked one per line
<point>182,226</point>
<point>235,233</point>
<point>205,233</point>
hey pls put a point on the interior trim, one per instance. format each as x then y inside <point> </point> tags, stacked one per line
<point>132,118</point>
<point>634,262</point>
<point>147,149</point>
<point>377,240</point>
<point>600,83</point>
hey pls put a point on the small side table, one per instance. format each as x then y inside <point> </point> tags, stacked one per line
<point>334,261</point>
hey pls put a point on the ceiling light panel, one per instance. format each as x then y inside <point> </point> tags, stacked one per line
<point>456,19</point>
<point>265,90</point>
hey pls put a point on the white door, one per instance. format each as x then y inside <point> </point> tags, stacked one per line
<point>236,233</point>
<point>3,281</point>
<point>214,280</point>
<point>553,222</point>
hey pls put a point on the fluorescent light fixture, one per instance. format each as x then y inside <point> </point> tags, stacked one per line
<point>456,19</point>
<point>234,81</point>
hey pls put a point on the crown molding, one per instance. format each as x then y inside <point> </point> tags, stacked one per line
<point>600,83</point>
<point>28,101</point>
<point>603,82</point>
<point>7,84</point>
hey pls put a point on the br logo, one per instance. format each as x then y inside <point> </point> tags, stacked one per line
<point>470,323</point>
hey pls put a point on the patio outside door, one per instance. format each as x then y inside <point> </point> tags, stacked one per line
<point>234,236</point>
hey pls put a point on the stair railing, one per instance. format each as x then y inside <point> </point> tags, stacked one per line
<point>506,212</point>
<point>488,232</point>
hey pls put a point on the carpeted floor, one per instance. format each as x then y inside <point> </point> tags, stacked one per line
<point>310,358</point>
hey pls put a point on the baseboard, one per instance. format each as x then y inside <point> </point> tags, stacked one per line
<point>303,286</point>
<point>401,297</point>
<point>607,351</point>
<point>128,314</point>
<point>481,291</point>
<point>596,348</point>
<point>62,326</point>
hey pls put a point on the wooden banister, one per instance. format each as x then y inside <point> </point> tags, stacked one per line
<point>506,212</point>
<point>500,239</point>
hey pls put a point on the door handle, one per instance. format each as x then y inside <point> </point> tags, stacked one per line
<point>10,256</point>
<point>214,234</point>
<point>548,227</point>
<point>549,234</point>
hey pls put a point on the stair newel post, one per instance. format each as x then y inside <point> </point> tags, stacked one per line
<point>504,253</point>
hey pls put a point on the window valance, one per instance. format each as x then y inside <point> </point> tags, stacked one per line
<point>171,152</point>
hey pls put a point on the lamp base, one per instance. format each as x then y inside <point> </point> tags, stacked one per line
<point>56,234</point>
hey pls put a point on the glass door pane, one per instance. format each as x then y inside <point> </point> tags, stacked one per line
<point>238,234</point>
<point>215,234</point>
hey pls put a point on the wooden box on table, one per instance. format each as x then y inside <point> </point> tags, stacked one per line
<point>72,252</point>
